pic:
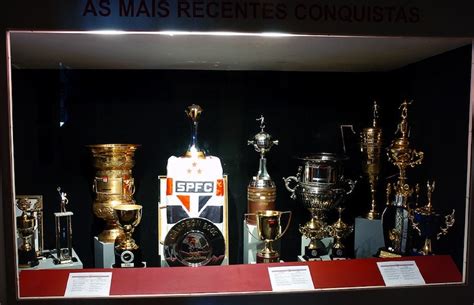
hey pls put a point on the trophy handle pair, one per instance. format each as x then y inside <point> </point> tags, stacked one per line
<point>350,185</point>
<point>246,215</point>
<point>448,222</point>
<point>287,185</point>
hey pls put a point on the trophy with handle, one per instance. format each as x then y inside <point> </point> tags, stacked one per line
<point>26,225</point>
<point>127,252</point>
<point>430,224</point>
<point>340,230</point>
<point>261,191</point>
<point>269,229</point>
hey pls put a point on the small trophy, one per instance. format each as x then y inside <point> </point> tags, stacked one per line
<point>340,230</point>
<point>127,252</point>
<point>371,148</point>
<point>261,192</point>
<point>194,113</point>
<point>426,221</point>
<point>269,229</point>
<point>26,226</point>
<point>396,217</point>
<point>63,225</point>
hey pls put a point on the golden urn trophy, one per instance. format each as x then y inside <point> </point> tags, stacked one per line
<point>26,225</point>
<point>429,224</point>
<point>127,252</point>
<point>395,218</point>
<point>261,191</point>
<point>269,229</point>
<point>371,148</point>
<point>113,184</point>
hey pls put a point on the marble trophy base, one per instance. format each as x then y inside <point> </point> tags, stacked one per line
<point>47,262</point>
<point>104,256</point>
<point>368,237</point>
<point>27,259</point>
<point>328,242</point>
<point>252,245</point>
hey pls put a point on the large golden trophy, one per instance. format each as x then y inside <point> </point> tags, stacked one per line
<point>371,148</point>
<point>113,184</point>
<point>261,191</point>
<point>429,223</point>
<point>26,225</point>
<point>396,216</point>
<point>127,252</point>
<point>269,229</point>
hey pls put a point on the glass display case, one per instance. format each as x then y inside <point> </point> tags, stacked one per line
<point>369,166</point>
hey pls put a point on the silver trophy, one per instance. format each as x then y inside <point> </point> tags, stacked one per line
<point>320,185</point>
<point>261,192</point>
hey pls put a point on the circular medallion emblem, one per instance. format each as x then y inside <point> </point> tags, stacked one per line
<point>194,242</point>
<point>127,257</point>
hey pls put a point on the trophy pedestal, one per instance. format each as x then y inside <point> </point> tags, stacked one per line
<point>48,263</point>
<point>327,243</point>
<point>104,256</point>
<point>253,245</point>
<point>368,237</point>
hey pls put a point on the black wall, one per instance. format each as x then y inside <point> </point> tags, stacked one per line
<point>303,110</point>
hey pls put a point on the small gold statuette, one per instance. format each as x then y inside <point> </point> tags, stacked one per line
<point>340,230</point>
<point>63,222</point>
<point>261,191</point>
<point>194,113</point>
<point>371,148</point>
<point>127,253</point>
<point>429,224</point>
<point>26,225</point>
<point>395,219</point>
<point>269,229</point>
<point>113,184</point>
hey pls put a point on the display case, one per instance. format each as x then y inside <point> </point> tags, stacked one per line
<point>398,170</point>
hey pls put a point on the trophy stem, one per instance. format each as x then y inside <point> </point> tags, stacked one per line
<point>373,214</point>
<point>427,250</point>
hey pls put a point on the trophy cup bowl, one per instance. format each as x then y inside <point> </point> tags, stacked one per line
<point>113,184</point>
<point>320,185</point>
<point>26,227</point>
<point>269,229</point>
<point>127,252</point>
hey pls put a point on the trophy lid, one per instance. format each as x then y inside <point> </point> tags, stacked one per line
<point>323,156</point>
<point>262,141</point>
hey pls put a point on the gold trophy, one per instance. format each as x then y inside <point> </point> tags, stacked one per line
<point>113,184</point>
<point>371,147</point>
<point>395,219</point>
<point>269,229</point>
<point>194,113</point>
<point>426,221</point>
<point>261,192</point>
<point>339,230</point>
<point>127,252</point>
<point>26,225</point>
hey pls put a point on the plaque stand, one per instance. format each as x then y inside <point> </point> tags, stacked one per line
<point>368,237</point>
<point>103,254</point>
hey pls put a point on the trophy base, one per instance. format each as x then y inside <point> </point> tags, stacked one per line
<point>128,259</point>
<point>268,258</point>
<point>339,253</point>
<point>314,253</point>
<point>27,259</point>
<point>384,253</point>
<point>372,215</point>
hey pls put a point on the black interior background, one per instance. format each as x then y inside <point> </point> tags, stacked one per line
<point>303,110</point>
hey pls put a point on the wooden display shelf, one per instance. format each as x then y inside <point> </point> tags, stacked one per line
<point>234,278</point>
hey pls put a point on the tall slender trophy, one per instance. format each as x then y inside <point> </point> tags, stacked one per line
<point>127,252</point>
<point>371,148</point>
<point>339,230</point>
<point>26,225</point>
<point>429,224</point>
<point>320,186</point>
<point>269,229</point>
<point>63,223</point>
<point>194,113</point>
<point>261,191</point>
<point>113,184</point>
<point>395,218</point>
